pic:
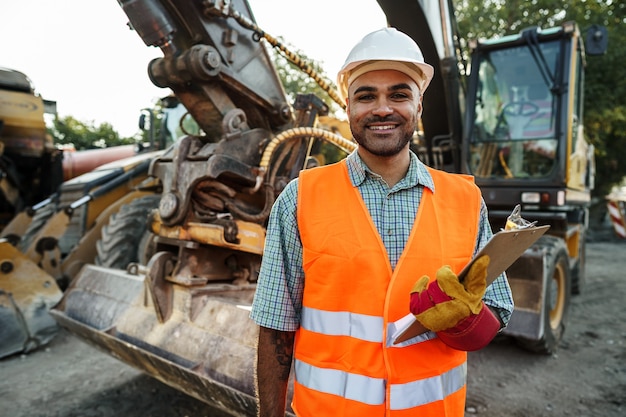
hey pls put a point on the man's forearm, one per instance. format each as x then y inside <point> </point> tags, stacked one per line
<point>274,356</point>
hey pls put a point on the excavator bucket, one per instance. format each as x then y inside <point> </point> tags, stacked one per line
<point>197,340</point>
<point>26,295</point>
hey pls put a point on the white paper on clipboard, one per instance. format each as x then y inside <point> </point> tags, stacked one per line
<point>503,249</point>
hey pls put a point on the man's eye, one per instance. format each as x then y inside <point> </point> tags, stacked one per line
<point>399,96</point>
<point>365,97</point>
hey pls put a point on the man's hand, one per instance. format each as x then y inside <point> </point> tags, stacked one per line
<point>454,310</point>
<point>443,303</point>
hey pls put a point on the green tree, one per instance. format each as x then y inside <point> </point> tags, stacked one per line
<point>605,87</point>
<point>85,135</point>
<point>605,92</point>
<point>295,82</point>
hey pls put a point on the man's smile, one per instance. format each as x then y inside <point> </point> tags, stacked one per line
<point>382,127</point>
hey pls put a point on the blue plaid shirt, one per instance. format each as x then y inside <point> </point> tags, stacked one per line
<point>278,299</point>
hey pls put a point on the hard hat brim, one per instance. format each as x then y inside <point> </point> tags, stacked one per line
<point>421,74</point>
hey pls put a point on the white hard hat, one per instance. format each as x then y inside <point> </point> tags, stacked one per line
<point>385,49</point>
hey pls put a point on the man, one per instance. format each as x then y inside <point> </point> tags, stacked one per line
<point>345,246</point>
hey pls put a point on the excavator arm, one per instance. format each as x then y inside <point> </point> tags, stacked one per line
<point>213,60</point>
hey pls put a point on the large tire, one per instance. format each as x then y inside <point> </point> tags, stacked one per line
<point>556,298</point>
<point>124,239</point>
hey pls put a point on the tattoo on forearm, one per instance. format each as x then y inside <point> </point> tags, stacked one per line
<point>274,356</point>
<point>283,347</point>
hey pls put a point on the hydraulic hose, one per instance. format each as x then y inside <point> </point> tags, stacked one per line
<point>304,132</point>
<point>295,133</point>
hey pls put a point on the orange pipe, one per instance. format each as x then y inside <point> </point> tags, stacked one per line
<point>79,162</point>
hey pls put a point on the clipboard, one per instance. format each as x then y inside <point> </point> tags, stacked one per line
<point>503,249</point>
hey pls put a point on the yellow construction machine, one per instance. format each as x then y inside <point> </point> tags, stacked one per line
<point>32,171</point>
<point>30,165</point>
<point>46,244</point>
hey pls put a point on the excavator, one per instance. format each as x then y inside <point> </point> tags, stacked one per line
<point>44,246</point>
<point>182,315</point>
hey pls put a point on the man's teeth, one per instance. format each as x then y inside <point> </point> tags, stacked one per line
<point>387,127</point>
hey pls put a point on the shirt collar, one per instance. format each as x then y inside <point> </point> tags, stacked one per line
<point>416,175</point>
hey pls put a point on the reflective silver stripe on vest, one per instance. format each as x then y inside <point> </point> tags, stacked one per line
<point>428,390</point>
<point>359,326</point>
<point>343,323</point>
<point>371,391</point>
<point>354,387</point>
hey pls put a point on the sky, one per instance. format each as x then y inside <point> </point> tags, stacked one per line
<point>81,53</point>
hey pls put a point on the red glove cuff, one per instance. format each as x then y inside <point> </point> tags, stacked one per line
<point>472,333</point>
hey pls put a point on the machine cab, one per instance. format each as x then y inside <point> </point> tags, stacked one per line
<point>523,131</point>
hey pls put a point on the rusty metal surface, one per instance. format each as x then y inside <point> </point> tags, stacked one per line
<point>206,348</point>
<point>26,295</point>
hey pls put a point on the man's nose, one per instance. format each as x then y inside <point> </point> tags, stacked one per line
<point>382,107</point>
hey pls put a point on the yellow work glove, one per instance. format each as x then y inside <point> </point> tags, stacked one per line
<point>445,302</point>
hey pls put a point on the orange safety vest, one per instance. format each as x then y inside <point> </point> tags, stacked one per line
<point>345,361</point>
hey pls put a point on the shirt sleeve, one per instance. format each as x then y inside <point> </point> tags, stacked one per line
<point>498,295</point>
<point>277,301</point>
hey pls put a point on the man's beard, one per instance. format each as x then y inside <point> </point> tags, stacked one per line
<point>390,146</point>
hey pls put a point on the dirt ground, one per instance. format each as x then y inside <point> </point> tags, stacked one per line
<point>586,377</point>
